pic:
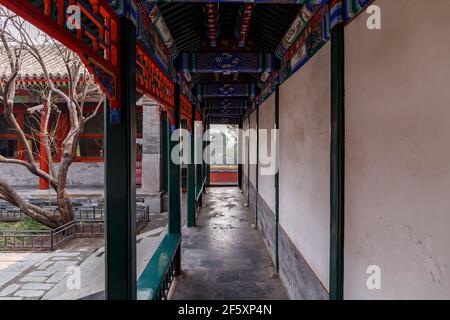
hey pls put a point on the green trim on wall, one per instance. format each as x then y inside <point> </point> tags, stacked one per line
<point>174,172</point>
<point>277,178</point>
<point>257,164</point>
<point>337,164</point>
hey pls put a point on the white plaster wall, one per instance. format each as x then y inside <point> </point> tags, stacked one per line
<point>305,161</point>
<point>397,152</point>
<point>266,183</point>
<point>253,150</point>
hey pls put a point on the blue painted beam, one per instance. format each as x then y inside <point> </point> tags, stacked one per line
<point>228,103</point>
<point>227,62</point>
<point>226,90</point>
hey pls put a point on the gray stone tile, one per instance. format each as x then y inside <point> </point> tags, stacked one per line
<point>63,265</point>
<point>57,277</point>
<point>33,279</point>
<point>29,293</point>
<point>37,286</point>
<point>44,265</point>
<point>66,254</point>
<point>45,273</point>
<point>224,257</point>
<point>226,276</point>
<point>9,290</point>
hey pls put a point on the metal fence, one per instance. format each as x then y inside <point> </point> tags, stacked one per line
<point>92,225</point>
<point>80,213</point>
<point>142,219</point>
<point>10,215</point>
<point>88,213</point>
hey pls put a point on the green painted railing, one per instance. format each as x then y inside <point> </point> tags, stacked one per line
<point>154,282</point>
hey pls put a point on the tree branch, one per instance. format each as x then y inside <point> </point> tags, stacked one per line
<point>96,110</point>
<point>38,214</point>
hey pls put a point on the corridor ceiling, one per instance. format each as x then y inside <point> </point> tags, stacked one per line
<point>226,55</point>
<point>225,33</point>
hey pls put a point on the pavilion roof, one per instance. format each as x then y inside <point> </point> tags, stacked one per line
<point>31,70</point>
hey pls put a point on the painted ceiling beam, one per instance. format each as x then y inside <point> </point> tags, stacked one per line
<point>226,90</point>
<point>227,62</point>
<point>222,120</point>
<point>224,114</point>
<point>227,103</point>
<point>244,20</point>
<point>212,23</point>
<point>224,111</point>
<point>152,11</point>
<point>299,24</point>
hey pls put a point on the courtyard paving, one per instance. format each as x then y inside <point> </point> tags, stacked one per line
<point>31,275</point>
<point>51,275</point>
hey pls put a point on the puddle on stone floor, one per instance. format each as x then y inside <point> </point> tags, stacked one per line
<point>216,214</point>
<point>220,226</point>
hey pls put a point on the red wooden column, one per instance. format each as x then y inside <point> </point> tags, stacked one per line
<point>43,160</point>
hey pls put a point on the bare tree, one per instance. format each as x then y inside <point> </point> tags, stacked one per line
<point>17,42</point>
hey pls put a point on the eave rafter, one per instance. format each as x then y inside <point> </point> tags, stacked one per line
<point>212,11</point>
<point>244,20</point>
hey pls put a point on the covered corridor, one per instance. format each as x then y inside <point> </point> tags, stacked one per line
<point>343,197</point>
<point>224,257</point>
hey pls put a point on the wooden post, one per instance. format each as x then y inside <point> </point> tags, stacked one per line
<point>257,165</point>
<point>191,176</point>
<point>174,172</point>
<point>240,147</point>
<point>120,178</point>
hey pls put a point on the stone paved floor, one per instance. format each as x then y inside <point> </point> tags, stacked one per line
<point>224,257</point>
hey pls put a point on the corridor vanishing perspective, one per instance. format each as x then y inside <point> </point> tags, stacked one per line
<point>224,257</point>
<point>224,149</point>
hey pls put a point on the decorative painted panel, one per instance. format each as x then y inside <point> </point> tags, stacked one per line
<point>226,103</point>
<point>268,87</point>
<point>212,23</point>
<point>150,39</point>
<point>312,38</point>
<point>353,7</point>
<point>336,12</point>
<point>215,119</point>
<point>185,87</point>
<point>226,90</point>
<point>226,62</point>
<point>152,80</point>
<point>185,108</point>
<point>244,20</point>
<point>156,18</point>
<point>151,29</point>
<point>298,26</point>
